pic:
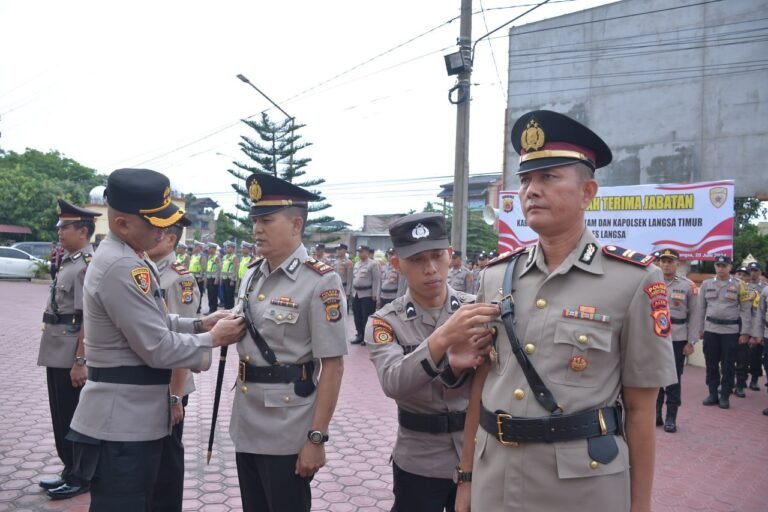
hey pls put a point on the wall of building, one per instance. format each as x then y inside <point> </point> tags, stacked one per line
<point>677,90</point>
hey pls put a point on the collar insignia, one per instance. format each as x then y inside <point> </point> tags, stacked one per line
<point>588,254</point>
<point>455,304</point>
<point>410,310</point>
<point>293,266</point>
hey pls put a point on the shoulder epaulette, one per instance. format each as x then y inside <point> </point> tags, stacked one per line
<point>628,255</point>
<point>505,256</point>
<point>179,268</point>
<point>255,262</point>
<point>318,266</point>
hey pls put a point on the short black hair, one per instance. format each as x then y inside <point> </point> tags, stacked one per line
<point>175,230</point>
<point>88,224</point>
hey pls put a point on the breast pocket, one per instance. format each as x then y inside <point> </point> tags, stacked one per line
<point>281,315</point>
<point>710,294</point>
<point>582,354</point>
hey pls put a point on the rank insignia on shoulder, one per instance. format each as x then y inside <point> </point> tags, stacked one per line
<point>382,332</point>
<point>505,256</point>
<point>628,255</point>
<point>179,268</point>
<point>255,262</point>
<point>141,278</point>
<point>318,266</point>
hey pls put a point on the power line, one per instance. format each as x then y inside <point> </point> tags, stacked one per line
<point>493,55</point>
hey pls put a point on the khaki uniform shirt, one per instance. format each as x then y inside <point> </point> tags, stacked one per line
<point>760,316</point>
<point>725,300</point>
<point>181,295</point>
<point>126,324</point>
<point>683,297</point>
<point>594,311</point>
<point>301,315</point>
<point>366,278</point>
<point>343,267</point>
<point>59,341</point>
<point>460,279</point>
<point>393,284</point>
<point>475,281</point>
<point>415,381</point>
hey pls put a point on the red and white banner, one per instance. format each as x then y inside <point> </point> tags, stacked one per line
<point>696,219</point>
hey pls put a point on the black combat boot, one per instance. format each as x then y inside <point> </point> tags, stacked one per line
<point>740,392</point>
<point>659,419</point>
<point>724,402</point>
<point>753,384</point>
<point>671,424</point>
<point>711,399</point>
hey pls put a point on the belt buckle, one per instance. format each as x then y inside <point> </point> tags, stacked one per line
<point>601,421</point>
<point>499,422</point>
<point>241,371</point>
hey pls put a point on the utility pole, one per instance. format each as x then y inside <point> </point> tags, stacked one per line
<point>461,166</point>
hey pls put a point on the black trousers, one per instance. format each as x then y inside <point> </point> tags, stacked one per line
<point>362,308</point>
<point>384,302</point>
<point>63,399</point>
<point>742,364</point>
<point>415,493</point>
<point>125,476</point>
<point>169,486</point>
<point>268,483</point>
<point>201,287</point>
<point>720,356</point>
<point>672,392</point>
<point>229,294</point>
<point>213,294</point>
<point>756,361</point>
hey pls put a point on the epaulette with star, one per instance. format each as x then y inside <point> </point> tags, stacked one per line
<point>255,262</point>
<point>628,255</point>
<point>318,266</point>
<point>505,256</point>
<point>179,268</point>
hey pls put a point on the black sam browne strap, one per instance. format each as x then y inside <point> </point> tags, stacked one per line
<point>540,391</point>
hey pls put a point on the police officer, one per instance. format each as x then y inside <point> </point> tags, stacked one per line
<point>182,258</point>
<point>408,340</point>
<point>760,325</point>
<point>742,349</point>
<point>61,345</point>
<point>212,277</point>
<point>182,297</point>
<point>295,309</point>
<point>582,327</point>
<point>246,256</point>
<point>683,295</point>
<point>476,275</point>
<point>755,345</point>
<point>724,322</point>
<point>460,277</point>
<point>229,268</point>
<point>197,264</point>
<point>125,407</point>
<point>365,290</point>
<point>320,253</point>
<point>392,281</point>
<point>343,266</point>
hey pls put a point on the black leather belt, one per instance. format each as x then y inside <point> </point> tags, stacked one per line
<point>679,321</point>
<point>53,318</point>
<point>510,430</point>
<point>139,375</point>
<point>276,373</point>
<point>362,287</point>
<point>432,423</point>
<point>720,321</point>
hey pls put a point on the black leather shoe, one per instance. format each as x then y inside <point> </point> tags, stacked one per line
<point>724,402</point>
<point>753,386</point>
<point>51,483</point>
<point>67,491</point>
<point>740,393</point>
<point>710,400</point>
<point>765,411</point>
<point>356,341</point>
<point>670,425</point>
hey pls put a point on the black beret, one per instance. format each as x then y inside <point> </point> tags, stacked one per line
<point>419,232</point>
<point>69,214</point>
<point>269,194</point>
<point>546,139</point>
<point>145,193</point>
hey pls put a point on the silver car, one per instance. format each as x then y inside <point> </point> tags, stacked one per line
<point>15,263</point>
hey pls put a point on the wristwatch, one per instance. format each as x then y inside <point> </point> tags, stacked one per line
<point>80,361</point>
<point>317,437</point>
<point>175,400</point>
<point>459,476</point>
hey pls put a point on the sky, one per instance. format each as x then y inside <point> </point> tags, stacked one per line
<point>153,84</point>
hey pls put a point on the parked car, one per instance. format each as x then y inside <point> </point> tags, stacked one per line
<point>40,250</point>
<point>15,263</point>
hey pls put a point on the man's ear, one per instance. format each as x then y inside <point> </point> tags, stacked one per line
<point>395,261</point>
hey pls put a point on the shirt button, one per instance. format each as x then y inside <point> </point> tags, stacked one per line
<point>246,358</point>
<point>541,303</point>
<point>583,339</point>
<point>530,348</point>
<point>261,296</point>
<point>286,399</point>
<point>519,394</point>
<point>279,316</point>
<point>243,389</point>
<point>593,464</point>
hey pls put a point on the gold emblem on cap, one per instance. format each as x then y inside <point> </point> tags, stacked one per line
<point>254,191</point>
<point>532,138</point>
<point>167,193</point>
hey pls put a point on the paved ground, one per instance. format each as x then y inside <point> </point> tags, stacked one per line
<point>717,462</point>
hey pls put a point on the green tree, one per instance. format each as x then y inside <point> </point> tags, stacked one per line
<point>480,236</point>
<point>746,237</point>
<point>30,183</point>
<point>274,151</point>
<point>226,229</point>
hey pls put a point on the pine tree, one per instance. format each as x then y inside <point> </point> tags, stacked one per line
<point>275,152</point>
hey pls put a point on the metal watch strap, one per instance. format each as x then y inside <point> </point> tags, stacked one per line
<point>540,391</point>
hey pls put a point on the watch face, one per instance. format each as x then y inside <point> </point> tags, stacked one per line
<point>316,437</point>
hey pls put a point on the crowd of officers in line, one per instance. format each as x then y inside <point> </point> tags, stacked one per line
<point>527,375</point>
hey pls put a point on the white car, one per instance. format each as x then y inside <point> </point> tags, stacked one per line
<point>15,263</point>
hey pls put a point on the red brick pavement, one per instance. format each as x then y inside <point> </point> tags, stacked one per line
<point>718,461</point>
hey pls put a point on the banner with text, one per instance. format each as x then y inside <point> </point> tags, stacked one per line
<point>696,219</point>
